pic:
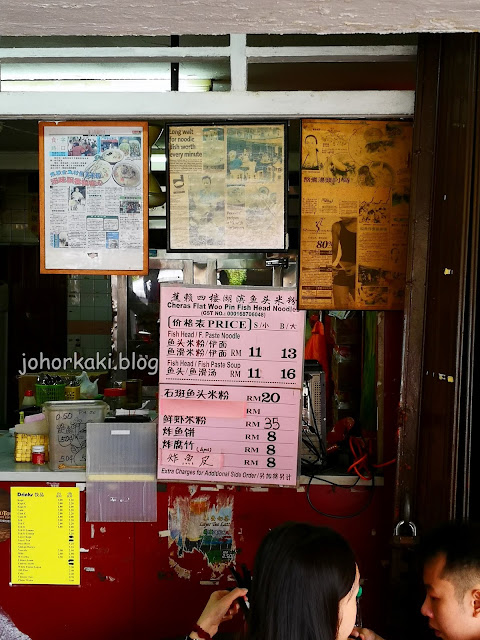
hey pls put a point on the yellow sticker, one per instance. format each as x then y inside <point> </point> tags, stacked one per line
<point>45,535</point>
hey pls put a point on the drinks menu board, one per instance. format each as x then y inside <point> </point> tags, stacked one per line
<point>45,535</point>
<point>231,373</point>
<point>232,335</point>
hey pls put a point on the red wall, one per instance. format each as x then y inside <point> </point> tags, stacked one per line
<point>133,591</point>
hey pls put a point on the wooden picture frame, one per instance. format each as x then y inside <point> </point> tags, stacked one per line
<point>94,197</point>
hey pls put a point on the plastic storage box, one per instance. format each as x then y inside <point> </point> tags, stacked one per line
<point>67,422</point>
<point>122,472</point>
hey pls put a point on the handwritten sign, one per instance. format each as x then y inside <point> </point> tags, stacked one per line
<point>246,336</point>
<point>45,535</point>
<point>259,447</point>
<point>67,422</point>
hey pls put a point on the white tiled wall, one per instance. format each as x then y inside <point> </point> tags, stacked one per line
<point>89,298</point>
<point>18,210</point>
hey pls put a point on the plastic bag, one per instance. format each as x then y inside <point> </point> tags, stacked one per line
<point>316,348</point>
<point>88,390</point>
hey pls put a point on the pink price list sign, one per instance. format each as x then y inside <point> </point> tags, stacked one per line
<point>231,336</point>
<point>228,434</point>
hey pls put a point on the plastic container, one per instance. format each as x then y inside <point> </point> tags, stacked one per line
<point>72,393</point>
<point>67,422</point>
<point>24,443</point>
<point>115,398</point>
<point>121,472</point>
<point>28,399</point>
<point>133,390</point>
<point>49,392</point>
<point>38,454</point>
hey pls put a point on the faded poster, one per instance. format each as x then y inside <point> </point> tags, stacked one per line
<point>226,187</point>
<point>354,214</point>
<point>202,524</point>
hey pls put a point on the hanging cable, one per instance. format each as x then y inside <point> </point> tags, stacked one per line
<point>341,486</point>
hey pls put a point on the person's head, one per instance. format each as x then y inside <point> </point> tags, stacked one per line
<point>310,141</point>
<point>451,574</point>
<point>305,583</point>
<point>232,154</point>
<point>206,182</point>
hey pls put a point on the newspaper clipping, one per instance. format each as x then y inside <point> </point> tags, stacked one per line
<point>94,204</point>
<point>226,187</point>
<point>354,214</point>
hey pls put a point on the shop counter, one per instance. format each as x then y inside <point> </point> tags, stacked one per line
<point>25,471</point>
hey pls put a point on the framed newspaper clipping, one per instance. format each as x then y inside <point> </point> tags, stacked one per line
<point>226,187</point>
<point>355,195</point>
<point>94,197</point>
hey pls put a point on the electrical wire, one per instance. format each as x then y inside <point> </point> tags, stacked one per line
<point>361,466</point>
<point>341,486</point>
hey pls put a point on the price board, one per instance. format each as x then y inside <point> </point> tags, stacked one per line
<point>45,535</point>
<point>231,374</point>
<point>238,435</point>
<point>232,335</point>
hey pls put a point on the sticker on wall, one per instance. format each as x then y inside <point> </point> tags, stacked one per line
<point>202,524</point>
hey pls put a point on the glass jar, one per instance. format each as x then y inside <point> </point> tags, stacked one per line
<point>115,398</point>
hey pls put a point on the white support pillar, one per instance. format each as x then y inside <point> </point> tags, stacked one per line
<point>238,62</point>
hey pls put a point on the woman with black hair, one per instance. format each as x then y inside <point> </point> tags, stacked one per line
<point>305,585</point>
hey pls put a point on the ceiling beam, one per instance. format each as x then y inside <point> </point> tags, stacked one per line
<point>225,105</point>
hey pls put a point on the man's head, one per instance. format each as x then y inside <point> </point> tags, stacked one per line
<point>451,573</point>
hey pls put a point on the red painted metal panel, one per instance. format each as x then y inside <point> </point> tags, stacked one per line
<point>133,592</point>
<point>101,607</point>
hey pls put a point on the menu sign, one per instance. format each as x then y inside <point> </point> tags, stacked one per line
<point>226,187</point>
<point>354,216</point>
<point>244,336</point>
<point>231,374</point>
<point>237,435</point>
<point>94,197</point>
<point>45,535</point>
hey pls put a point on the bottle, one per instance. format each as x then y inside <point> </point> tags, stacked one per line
<point>115,398</point>
<point>28,399</point>
<point>29,406</point>
<point>38,454</point>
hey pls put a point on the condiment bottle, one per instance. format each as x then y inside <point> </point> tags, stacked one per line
<point>115,398</point>
<point>28,399</point>
<point>38,454</point>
